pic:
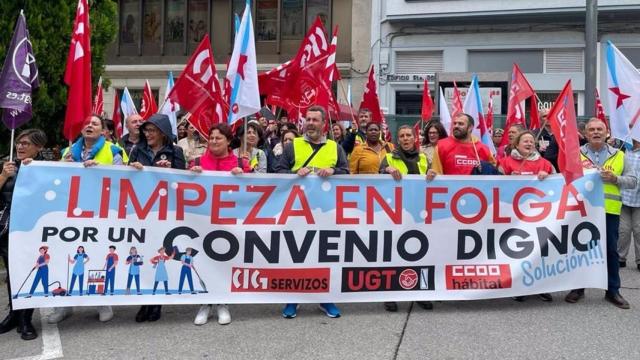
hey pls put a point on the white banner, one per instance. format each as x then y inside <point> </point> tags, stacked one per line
<point>114,235</point>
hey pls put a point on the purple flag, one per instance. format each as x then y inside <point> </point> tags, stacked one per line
<point>18,78</point>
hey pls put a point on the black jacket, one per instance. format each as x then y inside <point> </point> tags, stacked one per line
<point>143,154</point>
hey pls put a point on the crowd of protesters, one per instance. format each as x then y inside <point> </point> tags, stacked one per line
<point>269,145</point>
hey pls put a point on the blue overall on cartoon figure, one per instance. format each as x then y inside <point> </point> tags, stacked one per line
<point>185,272</point>
<point>110,265</point>
<point>42,274</point>
<point>134,261</point>
<point>78,261</point>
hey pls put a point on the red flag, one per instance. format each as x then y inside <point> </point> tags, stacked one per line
<point>562,118</point>
<point>198,89</point>
<point>488,119</point>
<point>427,102</point>
<point>600,110</point>
<point>308,88</point>
<point>416,130</point>
<point>457,101</point>
<point>519,91</point>
<point>534,118</point>
<point>116,117</point>
<point>77,74</point>
<point>330,73</point>
<point>148,106</point>
<point>370,98</point>
<point>98,101</point>
<point>277,83</point>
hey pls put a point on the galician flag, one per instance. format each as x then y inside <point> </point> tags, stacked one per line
<point>623,90</point>
<point>127,106</point>
<point>243,71</point>
<point>445,115</point>
<point>473,106</point>
<point>170,108</point>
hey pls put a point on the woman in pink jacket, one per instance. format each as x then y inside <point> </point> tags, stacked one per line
<point>218,157</point>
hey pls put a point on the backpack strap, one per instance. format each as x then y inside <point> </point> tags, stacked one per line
<point>313,154</point>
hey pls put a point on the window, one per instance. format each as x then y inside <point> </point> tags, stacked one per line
<point>174,28</point>
<point>295,17</point>
<point>633,54</point>
<point>292,19</point>
<point>563,60</point>
<point>151,27</point>
<point>180,24</point>
<point>198,22</point>
<point>418,62</point>
<point>318,8</point>
<point>266,20</point>
<point>129,26</point>
<point>530,61</point>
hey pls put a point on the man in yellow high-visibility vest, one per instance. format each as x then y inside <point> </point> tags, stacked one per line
<point>313,153</point>
<point>596,153</point>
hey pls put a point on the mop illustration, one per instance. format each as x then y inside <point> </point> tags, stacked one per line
<point>177,255</point>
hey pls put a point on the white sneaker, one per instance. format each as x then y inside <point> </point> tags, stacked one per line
<point>224,317</point>
<point>59,314</point>
<point>105,313</point>
<point>203,315</point>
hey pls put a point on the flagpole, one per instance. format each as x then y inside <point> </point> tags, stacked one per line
<point>244,139</point>
<point>278,113</point>
<point>544,123</point>
<point>344,93</point>
<point>13,132</point>
<point>330,125</point>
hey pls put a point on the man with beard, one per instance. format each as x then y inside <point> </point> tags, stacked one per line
<point>313,153</point>
<point>460,153</point>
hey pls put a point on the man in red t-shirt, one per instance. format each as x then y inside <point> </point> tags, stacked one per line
<point>460,153</point>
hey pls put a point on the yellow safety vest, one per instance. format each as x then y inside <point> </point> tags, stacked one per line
<point>612,196</point>
<point>327,156</point>
<point>105,155</point>
<point>402,167</point>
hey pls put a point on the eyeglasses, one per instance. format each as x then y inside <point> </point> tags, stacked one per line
<point>150,130</point>
<point>23,143</point>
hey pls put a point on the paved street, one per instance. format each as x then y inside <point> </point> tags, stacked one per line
<point>490,329</point>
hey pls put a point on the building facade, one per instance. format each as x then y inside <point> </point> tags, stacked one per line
<point>448,41</point>
<point>158,36</point>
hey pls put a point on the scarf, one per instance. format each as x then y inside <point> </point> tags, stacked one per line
<point>76,149</point>
<point>410,159</point>
<point>532,157</point>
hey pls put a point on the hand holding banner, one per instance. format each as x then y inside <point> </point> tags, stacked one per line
<point>295,239</point>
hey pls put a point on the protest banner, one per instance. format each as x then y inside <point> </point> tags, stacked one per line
<point>218,238</point>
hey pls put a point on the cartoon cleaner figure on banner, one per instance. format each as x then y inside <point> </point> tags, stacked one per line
<point>42,275</point>
<point>134,261</point>
<point>158,262</point>
<point>110,266</point>
<point>78,261</point>
<point>187,263</point>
